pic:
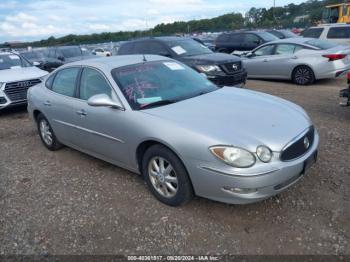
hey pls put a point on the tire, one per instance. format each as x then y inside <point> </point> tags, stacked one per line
<point>171,186</point>
<point>46,134</point>
<point>303,75</point>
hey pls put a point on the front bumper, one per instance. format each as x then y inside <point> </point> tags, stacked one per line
<point>216,184</point>
<point>5,101</point>
<point>238,79</point>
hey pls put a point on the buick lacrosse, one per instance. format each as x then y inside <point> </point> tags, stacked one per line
<point>159,118</point>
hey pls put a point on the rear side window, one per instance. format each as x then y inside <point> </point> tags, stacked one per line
<point>125,49</point>
<point>313,32</point>
<point>236,38</point>
<point>152,48</point>
<point>285,49</point>
<point>223,38</point>
<point>339,32</point>
<point>252,39</point>
<point>93,83</point>
<point>65,80</point>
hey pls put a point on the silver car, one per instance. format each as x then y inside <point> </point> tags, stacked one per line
<point>159,118</point>
<point>303,60</point>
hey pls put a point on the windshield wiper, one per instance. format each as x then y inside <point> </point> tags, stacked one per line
<point>158,103</point>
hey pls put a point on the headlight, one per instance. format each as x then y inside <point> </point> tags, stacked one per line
<point>234,156</point>
<point>264,153</point>
<point>208,68</point>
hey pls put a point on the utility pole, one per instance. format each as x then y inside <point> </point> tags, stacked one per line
<point>273,12</point>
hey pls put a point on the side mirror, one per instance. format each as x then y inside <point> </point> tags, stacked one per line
<point>104,100</point>
<point>61,58</point>
<point>249,54</point>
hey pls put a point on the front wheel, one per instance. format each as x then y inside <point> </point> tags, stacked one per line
<point>46,134</point>
<point>166,176</point>
<point>303,75</point>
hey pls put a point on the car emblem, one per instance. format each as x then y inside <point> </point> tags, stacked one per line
<point>24,84</point>
<point>234,67</point>
<point>306,142</point>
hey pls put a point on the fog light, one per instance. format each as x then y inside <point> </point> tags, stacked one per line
<point>238,190</point>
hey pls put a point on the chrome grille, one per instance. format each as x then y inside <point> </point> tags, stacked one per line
<point>298,147</point>
<point>17,91</point>
<point>232,68</point>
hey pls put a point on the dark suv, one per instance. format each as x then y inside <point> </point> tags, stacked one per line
<point>221,69</point>
<point>242,41</point>
<point>57,56</point>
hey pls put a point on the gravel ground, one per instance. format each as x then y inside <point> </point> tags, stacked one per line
<point>66,202</point>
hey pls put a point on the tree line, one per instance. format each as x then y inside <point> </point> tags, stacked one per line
<point>279,17</point>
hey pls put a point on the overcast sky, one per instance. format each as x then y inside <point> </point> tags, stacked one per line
<point>38,19</point>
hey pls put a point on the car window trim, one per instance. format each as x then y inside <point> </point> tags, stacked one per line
<point>75,86</point>
<point>104,76</point>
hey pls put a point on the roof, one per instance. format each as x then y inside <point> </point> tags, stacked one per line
<point>162,38</point>
<point>111,62</point>
<point>293,40</point>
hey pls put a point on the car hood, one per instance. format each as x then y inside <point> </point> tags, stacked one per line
<point>238,117</point>
<point>214,58</point>
<point>19,74</point>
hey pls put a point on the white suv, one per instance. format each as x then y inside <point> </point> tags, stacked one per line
<point>337,33</point>
<point>16,76</point>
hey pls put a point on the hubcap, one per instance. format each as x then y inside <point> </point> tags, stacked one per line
<point>45,132</point>
<point>163,177</point>
<point>303,76</point>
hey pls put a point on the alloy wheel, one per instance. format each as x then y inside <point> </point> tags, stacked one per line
<point>303,76</point>
<point>45,132</point>
<point>163,177</point>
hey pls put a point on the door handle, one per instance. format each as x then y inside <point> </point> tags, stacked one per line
<point>81,112</point>
<point>294,57</point>
<point>47,103</point>
<point>265,60</point>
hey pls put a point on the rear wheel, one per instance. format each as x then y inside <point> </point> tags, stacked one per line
<point>303,75</point>
<point>46,134</point>
<point>166,176</point>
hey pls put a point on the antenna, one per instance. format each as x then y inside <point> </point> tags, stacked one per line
<point>144,58</point>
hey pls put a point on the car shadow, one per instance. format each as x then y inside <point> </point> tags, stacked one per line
<point>13,110</point>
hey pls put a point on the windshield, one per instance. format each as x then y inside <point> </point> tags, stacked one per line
<point>267,36</point>
<point>188,47</point>
<point>321,44</point>
<point>156,82</point>
<point>71,52</point>
<point>11,61</point>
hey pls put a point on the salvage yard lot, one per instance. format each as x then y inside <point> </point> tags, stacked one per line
<point>66,202</point>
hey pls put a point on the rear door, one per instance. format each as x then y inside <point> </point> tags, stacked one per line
<point>60,106</point>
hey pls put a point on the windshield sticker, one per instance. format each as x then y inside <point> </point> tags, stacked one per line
<point>178,50</point>
<point>148,100</point>
<point>13,57</point>
<point>174,66</point>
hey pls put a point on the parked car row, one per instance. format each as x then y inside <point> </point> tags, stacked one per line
<point>17,74</point>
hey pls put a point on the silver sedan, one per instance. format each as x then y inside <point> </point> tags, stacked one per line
<point>302,60</point>
<point>159,118</point>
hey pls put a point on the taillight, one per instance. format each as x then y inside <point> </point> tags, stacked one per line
<point>334,57</point>
<point>348,77</point>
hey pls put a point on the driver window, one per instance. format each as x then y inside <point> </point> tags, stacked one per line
<point>93,83</point>
<point>266,50</point>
